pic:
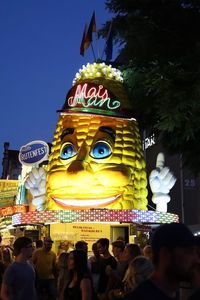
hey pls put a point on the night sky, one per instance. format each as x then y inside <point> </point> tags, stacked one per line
<point>39,57</point>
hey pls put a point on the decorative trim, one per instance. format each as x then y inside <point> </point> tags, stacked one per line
<point>93,215</point>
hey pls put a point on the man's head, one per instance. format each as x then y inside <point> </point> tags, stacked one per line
<point>95,250</point>
<point>39,244</point>
<point>23,245</point>
<point>130,252</point>
<point>103,245</point>
<point>118,248</point>
<point>81,245</point>
<point>48,243</point>
<point>173,250</point>
<point>147,252</point>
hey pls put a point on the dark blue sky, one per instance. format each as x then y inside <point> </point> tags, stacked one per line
<point>39,56</point>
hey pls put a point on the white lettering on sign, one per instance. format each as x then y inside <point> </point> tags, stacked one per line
<point>92,97</point>
<point>31,154</point>
<point>148,142</point>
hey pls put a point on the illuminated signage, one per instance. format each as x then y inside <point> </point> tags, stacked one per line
<point>148,142</point>
<point>34,153</point>
<point>189,183</point>
<point>11,210</point>
<point>93,98</point>
<point>8,192</point>
<point>94,215</point>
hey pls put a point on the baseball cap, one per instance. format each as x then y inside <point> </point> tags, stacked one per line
<point>47,239</point>
<point>172,235</point>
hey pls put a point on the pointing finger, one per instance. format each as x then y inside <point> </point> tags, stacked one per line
<point>160,161</point>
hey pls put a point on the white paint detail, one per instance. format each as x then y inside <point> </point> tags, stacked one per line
<point>86,203</point>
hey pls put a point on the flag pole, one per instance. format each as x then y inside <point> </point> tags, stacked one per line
<point>104,48</point>
<point>97,45</point>
<point>93,52</point>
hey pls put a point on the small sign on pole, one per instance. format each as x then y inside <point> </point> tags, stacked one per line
<point>33,153</point>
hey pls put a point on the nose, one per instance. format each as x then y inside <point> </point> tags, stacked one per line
<point>83,152</point>
<point>81,163</point>
<point>76,166</point>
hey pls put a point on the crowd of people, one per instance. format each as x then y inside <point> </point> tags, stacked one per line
<point>166,269</point>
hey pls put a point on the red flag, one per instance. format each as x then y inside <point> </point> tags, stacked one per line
<point>87,35</point>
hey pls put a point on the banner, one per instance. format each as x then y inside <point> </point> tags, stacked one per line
<point>8,192</point>
<point>11,210</point>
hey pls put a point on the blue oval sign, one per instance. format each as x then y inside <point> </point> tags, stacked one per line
<point>34,153</point>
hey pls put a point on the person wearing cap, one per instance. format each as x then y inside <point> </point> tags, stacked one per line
<point>44,260</point>
<point>174,256</point>
<point>19,277</point>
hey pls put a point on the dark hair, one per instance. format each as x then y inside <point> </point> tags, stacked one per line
<point>62,260</point>
<point>134,250</point>
<point>119,244</point>
<point>80,245</point>
<point>94,246</point>
<point>80,265</point>
<point>104,242</point>
<point>20,243</point>
<point>39,243</point>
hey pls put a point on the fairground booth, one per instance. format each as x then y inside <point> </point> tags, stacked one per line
<point>93,183</point>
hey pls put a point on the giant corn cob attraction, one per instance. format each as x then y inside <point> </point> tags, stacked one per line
<point>97,158</point>
<point>96,170</point>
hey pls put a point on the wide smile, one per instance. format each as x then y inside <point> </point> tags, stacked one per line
<point>86,202</point>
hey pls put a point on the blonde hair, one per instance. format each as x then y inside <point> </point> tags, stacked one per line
<point>139,269</point>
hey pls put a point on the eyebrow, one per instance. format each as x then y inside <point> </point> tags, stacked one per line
<point>108,130</point>
<point>66,132</point>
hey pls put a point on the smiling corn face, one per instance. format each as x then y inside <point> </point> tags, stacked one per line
<point>97,159</point>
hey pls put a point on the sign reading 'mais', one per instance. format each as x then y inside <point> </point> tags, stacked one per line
<point>34,153</point>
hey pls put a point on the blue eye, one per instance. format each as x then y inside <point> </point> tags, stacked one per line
<point>67,151</point>
<point>101,150</point>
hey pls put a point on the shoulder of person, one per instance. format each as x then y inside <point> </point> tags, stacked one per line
<point>145,289</point>
<point>85,281</point>
<point>113,261</point>
<point>36,251</point>
<point>91,259</point>
<point>11,270</point>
